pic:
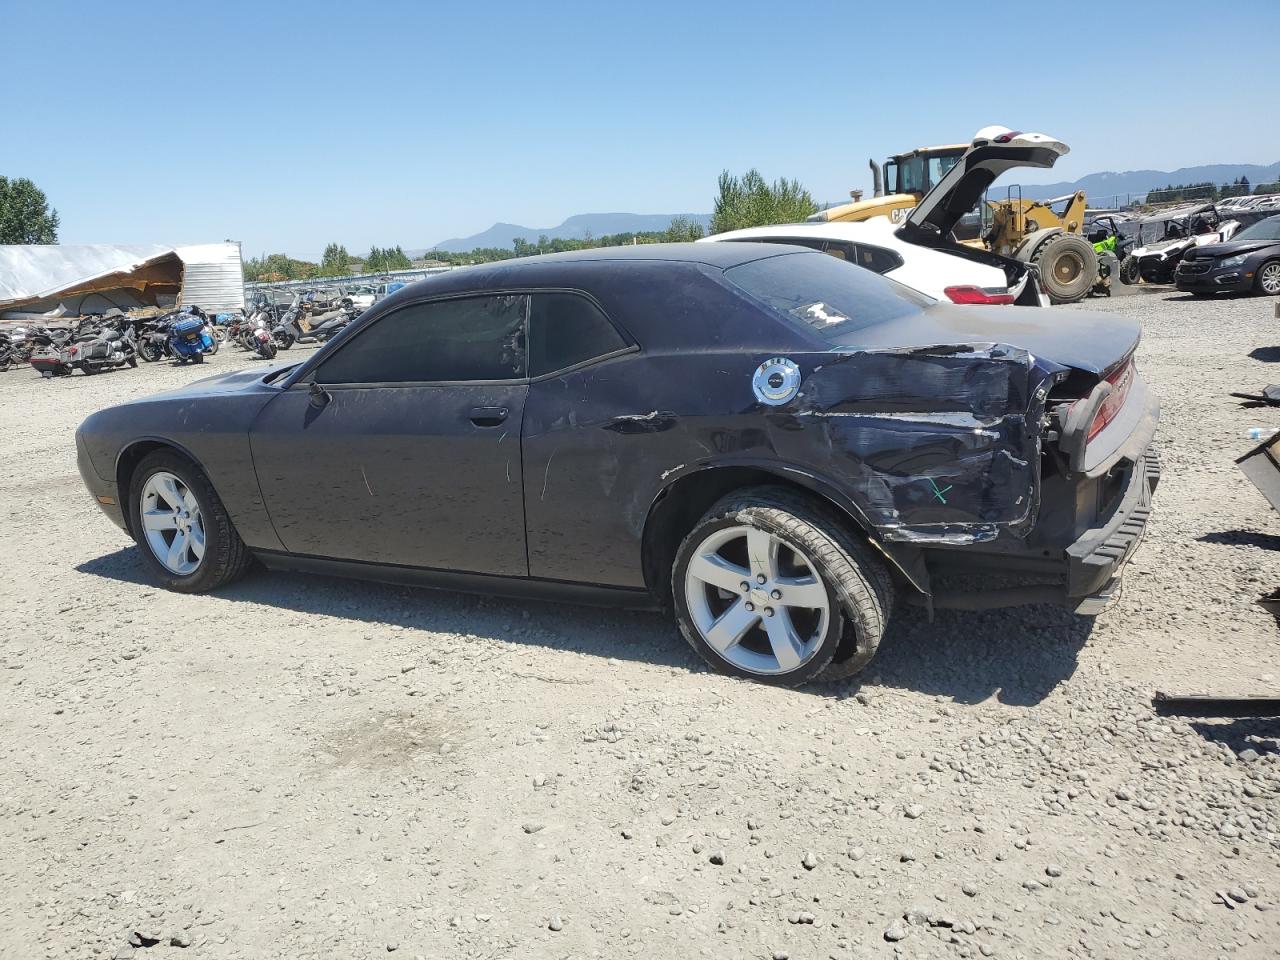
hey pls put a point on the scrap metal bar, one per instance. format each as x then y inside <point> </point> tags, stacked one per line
<point>1204,705</point>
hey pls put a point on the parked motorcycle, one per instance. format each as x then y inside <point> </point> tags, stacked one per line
<point>295,327</point>
<point>191,336</point>
<point>8,352</point>
<point>104,345</point>
<point>264,345</point>
<point>48,354</point>
<point>153,338</point>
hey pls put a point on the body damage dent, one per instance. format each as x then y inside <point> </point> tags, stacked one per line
<point>938,444</point>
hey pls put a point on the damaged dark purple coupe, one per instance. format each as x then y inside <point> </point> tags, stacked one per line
<point>772,443</point>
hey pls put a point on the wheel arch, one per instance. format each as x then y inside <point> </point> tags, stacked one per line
<point>682,502</point>
<point>132,454</point>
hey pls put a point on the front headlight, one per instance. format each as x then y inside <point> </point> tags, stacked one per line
<point>1232,262</point>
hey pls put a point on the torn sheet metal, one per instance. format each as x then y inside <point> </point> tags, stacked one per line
<point>939,444</point>
<point>42,277</point>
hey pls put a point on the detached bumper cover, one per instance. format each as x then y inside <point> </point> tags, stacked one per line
<point>1094,561</point>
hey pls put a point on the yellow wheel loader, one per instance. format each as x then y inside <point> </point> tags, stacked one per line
<point>1026,230</point>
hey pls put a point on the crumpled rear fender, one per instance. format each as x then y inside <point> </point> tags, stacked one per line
<point>935,445</point>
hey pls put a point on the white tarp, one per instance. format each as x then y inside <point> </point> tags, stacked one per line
<point>212,274</point>
<point>32,272</point>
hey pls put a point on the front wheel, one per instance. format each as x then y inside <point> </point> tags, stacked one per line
<point>181,527</point>
<point>1068,267</point>
<point>1129,272</point>
<point>771,586</point>
<point>1267,279</point>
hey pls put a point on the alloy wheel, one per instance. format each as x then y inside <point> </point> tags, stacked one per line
<point>757,600</point>
<point>172,523</point>
<point>1269,278</point>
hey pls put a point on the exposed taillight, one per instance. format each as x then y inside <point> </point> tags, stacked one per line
<point>1120,382</point>
<point>972,294</point>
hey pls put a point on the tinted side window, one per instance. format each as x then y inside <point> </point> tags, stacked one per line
<point>877,259</point>
<point>566,329</point>
<point>476,338</point>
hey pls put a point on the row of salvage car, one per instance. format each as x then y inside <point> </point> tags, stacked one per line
<point>775,446</point>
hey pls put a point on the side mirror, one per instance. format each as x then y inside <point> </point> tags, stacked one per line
<point>320,397</point>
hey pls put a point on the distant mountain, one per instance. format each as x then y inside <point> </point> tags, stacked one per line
<point>575,228</point>
<point>1100,187</point>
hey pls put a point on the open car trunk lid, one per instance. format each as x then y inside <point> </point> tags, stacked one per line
<point>994,150</point>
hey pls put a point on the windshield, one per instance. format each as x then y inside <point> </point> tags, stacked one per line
<point>1268,229</point>
<point>917,173</point>
<point>824,295</point>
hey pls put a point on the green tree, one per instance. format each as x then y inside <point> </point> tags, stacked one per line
<point>336,262</point>
<point>749,201</point>
<point>382,259</point>
<point>25,216</point>
<point>682,230</point>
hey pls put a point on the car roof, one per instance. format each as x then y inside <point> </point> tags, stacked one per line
<point>708,254</point>
<point>877,230</point>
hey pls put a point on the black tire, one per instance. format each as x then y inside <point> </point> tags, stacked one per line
<point>1129,272</point>
<point>1068,267</point>
<point>197,358</point>
<point>859,588</point>
<point>226,557</point>
<point>1258,286</point>
<point>149,354</point>
<point>132,360</point>
<point>283,339</point>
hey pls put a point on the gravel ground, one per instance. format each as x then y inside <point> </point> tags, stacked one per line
<point>304,767</point>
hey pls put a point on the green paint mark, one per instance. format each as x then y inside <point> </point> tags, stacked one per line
<point>939,493</point>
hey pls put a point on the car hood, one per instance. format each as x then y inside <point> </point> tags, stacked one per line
<point>1231,248</point>
<point>239,381</point>
<point>1093,342</point>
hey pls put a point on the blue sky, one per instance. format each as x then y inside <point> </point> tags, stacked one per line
<point>290,125</point>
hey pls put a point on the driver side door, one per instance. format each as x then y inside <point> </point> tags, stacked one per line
<point>415,458</point>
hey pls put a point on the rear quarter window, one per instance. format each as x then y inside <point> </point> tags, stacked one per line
<point>823,295</point>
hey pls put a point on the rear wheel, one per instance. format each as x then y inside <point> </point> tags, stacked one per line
<point>1267,280</point>
<point>772,587</point>
<point>1129,273</point>
<point>1068,267</point>
<point>182,529</point>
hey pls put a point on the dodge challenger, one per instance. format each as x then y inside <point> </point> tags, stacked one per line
<point>769,443</point>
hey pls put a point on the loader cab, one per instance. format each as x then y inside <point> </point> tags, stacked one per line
<point>918,171</point>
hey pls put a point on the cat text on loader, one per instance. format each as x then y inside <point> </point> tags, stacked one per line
<point>1025,230</point>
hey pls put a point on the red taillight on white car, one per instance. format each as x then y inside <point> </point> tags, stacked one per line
<point>972,294</point>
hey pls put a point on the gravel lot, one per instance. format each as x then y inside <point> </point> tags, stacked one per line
<point>303,767</point>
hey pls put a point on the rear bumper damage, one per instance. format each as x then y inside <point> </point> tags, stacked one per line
<point>1074,558</point>
<point>1094,561</point>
